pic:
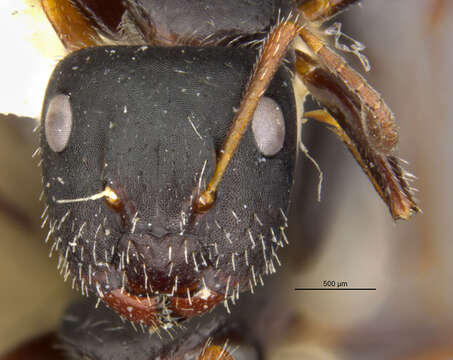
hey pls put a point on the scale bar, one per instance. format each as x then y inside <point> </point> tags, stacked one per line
<point>340,289</point>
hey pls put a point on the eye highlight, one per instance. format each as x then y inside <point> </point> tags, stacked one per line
<point>112,199</point>
<point>268,127</point>
<point>58,123</point>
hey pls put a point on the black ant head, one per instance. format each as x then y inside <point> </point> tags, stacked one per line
<point>130,138</point>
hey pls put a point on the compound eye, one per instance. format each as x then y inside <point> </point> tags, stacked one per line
<point>268,127</point>
<point>58,123</point>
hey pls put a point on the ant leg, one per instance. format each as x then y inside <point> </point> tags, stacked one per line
<point>42,347</point>
<point>360,118</point>
<point>105,15</point>
<point>74,29</point>
<point>377,122</point>
<point>325,117</point>
<point>322,10</point>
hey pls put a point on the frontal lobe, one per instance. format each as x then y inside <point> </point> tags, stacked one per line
<point>146,127</point>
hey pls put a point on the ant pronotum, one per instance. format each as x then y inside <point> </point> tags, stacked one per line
<point>193,213</point>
